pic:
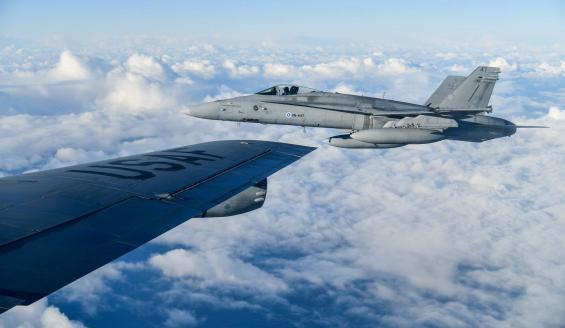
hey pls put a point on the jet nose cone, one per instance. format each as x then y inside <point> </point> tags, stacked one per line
<point>205,110</point>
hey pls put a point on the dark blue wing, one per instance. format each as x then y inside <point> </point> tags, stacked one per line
<point>58,225</point>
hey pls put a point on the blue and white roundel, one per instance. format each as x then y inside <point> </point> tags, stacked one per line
<point>288,114</point>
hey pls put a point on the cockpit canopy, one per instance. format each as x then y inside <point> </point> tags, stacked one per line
<point>285,90</point>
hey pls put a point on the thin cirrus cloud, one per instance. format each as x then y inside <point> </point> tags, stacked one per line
<point>446,234</point>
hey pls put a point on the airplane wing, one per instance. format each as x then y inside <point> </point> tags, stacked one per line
<point>58,225</point>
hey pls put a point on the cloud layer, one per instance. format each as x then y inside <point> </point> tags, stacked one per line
<point>447,234</point>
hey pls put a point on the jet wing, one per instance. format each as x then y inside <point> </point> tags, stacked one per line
<point>58,225</point>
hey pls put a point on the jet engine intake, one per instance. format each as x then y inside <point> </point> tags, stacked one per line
<point>398,136</point>
<point>248,200</point>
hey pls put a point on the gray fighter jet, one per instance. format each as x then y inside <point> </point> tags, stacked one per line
<point>455,111</point>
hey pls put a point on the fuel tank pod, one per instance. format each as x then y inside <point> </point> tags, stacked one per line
<point>345,141</point>
<point>398,136</point>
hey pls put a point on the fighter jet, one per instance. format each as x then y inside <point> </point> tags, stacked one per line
<point>455,111</point>
<point>58,225</point>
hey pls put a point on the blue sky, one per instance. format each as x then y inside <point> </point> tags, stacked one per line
<point>449,234</point>
<point>229,21</point>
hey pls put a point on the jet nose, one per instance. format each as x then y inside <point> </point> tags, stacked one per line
<point>205,110</point>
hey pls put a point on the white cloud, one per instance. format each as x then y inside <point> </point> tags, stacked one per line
<point>346,88</point>
<point>239,71</point>
<point>395,66</point>
<point>69,67</point>
<point>216,269</point>
<point>503,64</point>
<point>37,315</point>
<point>180,318</point>
<point>545,69</point>
<point>142,84</point>
<point>203,47</point>
<point>133,93</point>
<point>201,68</point>
<point>145,66</point>
<point>282,71</point>
<point>139,84</point>
<point>344,68</point>
<point>555,113</point>
<point>53,318</point>
<point>89,290</point>
<point>68,156</point>
<point>447,55</point>
<point>225,92</point>
<point>459,69</point>
<point>28,141</point>
<point>334,69</point>
<point>184,80</point>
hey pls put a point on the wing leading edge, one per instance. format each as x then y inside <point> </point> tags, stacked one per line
<point>58,225</point>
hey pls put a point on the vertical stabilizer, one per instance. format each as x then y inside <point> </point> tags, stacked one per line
<point>473,91</point>
<point>446,88</point>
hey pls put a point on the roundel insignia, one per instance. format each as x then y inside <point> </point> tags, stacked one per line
<point>288,114</point>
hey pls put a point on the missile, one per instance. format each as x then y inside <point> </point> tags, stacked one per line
<point>345,141</point>
<point>398,136</point>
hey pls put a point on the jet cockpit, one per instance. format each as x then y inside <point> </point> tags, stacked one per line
<point>285,89</point>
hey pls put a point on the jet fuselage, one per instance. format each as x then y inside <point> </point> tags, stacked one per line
<point>455,111</point>
<point>351,112</point>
